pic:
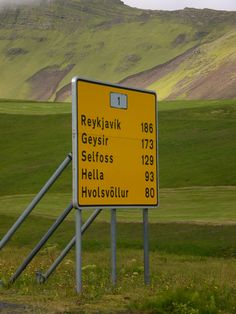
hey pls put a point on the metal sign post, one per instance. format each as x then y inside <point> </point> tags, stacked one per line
<point>78,250</point>
<point>113,246</point>
<point>115,154</point>
<point>146,247</point>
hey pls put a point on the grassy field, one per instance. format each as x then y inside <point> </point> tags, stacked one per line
<point>196,148</point>
<point>44,108</point>
<point>16,107</point>
<point>192,204</point>
<point>209,240</point>
<point>192,270</point>
<point>192,233</point>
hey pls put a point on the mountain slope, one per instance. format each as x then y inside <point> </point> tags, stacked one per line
<point>43,46</point>
<point>203,72</point>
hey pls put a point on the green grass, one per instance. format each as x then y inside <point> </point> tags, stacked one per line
<point>173,238</point>
<point>189,300</point>
<point>192,204</point>
<point>166,105</point>
<point>26,107</point>
<point>16,107</point>
<point>192,267</point>
<point>32,148</point>
<point>197,146</point>
<point>177,281</point>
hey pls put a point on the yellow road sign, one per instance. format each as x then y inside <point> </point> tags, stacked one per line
<point>115,151</point>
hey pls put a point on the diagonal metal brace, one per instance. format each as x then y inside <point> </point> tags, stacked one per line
<point>35,201</point>
<point>44,239</point>
<point>40,277</point>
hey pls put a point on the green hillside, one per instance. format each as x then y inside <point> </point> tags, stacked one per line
<point>209,73</point>
<point>43,46</point>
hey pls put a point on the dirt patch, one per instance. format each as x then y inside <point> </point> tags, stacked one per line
<point>109,24</point>
<point>7,308</point>
<point>128,62</point>
<point>15,52</point>
<point>146,78</point>
<point>217,84</point>
<point>200,35</point>
<point>180,39</point>
<point>64,93</point>
<point>44,83</point>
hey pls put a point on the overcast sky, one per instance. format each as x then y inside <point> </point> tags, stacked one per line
<point>229,5</point>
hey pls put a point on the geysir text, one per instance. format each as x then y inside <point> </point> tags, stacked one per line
<point>94,140</point>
